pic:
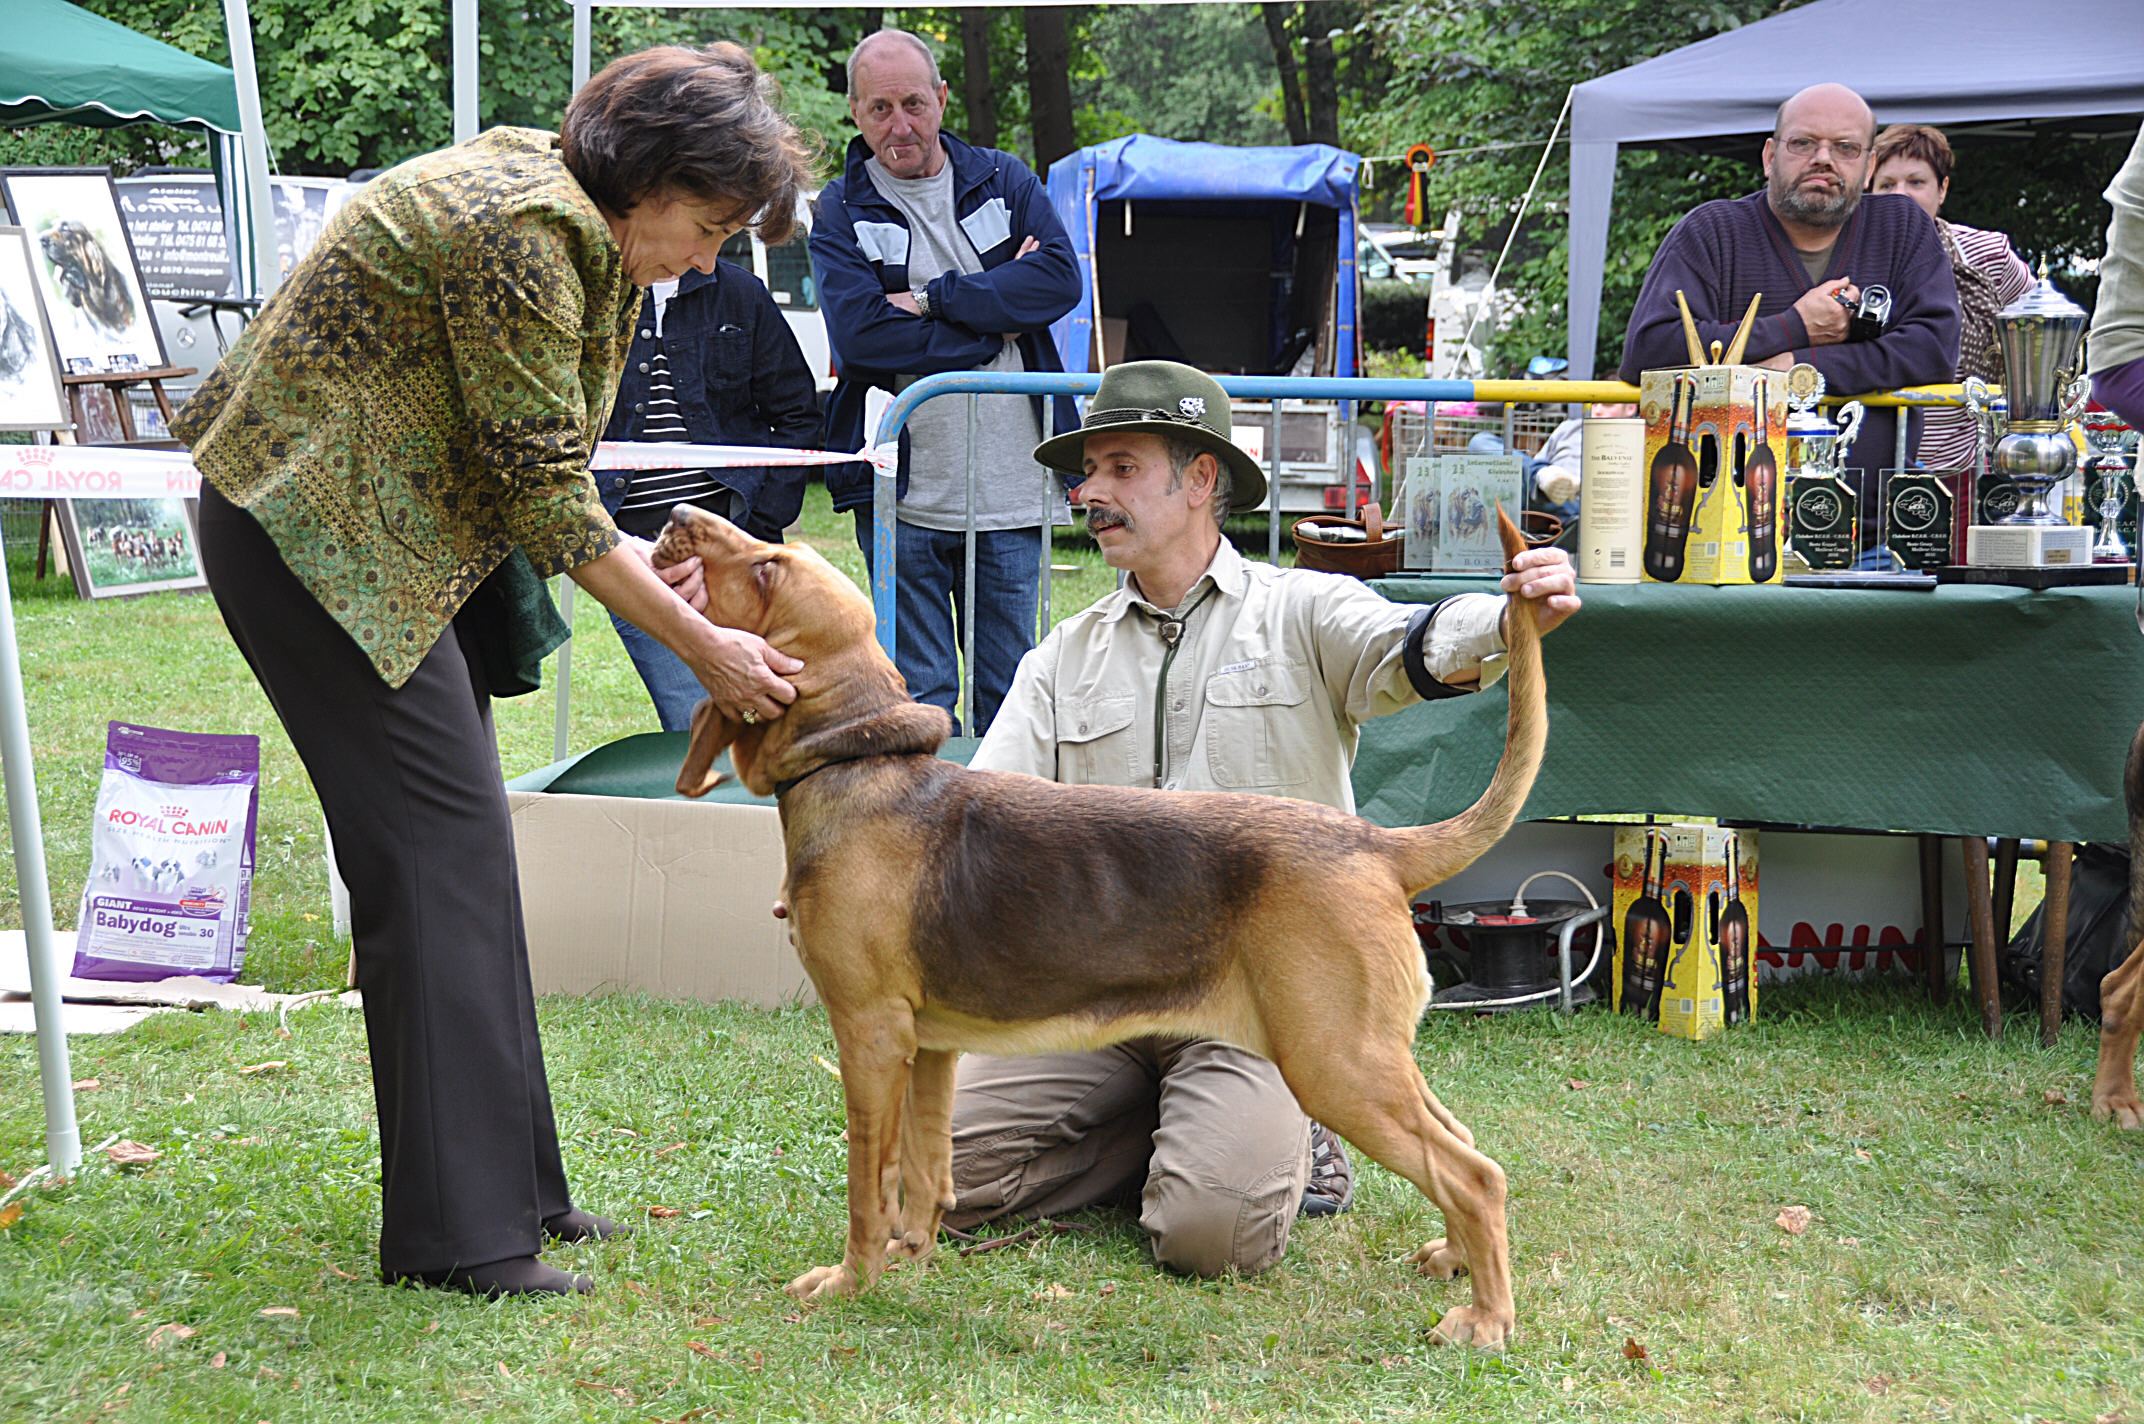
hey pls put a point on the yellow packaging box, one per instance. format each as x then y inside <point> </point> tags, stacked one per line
<point>1686,918</point>
<point>1715,461</point>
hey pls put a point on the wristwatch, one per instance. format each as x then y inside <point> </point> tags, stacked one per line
<point>923,301</point>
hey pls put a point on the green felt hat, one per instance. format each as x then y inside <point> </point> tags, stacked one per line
<point>1161,398</point>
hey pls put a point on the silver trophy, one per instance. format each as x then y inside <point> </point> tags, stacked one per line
<point>2041,336</point>
<point>1815,444</point>
<point>2106,479</point>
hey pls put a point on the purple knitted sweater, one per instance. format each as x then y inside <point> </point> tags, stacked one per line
<point>1727,251</point>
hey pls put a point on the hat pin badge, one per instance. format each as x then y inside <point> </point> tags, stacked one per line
<point>1192,406</point>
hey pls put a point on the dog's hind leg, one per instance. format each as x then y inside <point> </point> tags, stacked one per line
<point>2121,1023</point>
<point>877,1048</point>
<point>1366,1088</point>
<point>926,1155</point>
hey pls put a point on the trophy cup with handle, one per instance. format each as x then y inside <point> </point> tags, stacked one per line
<point>2041,337</point>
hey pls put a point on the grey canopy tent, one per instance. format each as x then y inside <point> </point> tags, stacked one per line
<point>1943,62</point>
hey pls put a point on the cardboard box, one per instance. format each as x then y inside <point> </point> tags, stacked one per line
<point>1707,519</point>
<point>665,897</point>
<point>1709,979</point>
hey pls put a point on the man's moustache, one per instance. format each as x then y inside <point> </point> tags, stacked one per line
<point>1099,518</point>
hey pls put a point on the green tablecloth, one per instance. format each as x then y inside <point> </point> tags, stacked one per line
<point>1974,709</point>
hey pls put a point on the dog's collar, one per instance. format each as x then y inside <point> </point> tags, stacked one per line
<point>783,788</point>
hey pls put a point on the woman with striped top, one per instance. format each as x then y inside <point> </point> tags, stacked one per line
<point>1915,159</point>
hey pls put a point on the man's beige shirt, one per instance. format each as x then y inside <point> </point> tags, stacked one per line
<point>1275,670</point>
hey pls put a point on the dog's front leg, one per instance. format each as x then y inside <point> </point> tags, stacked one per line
<point>926,1154</point>
<point>2121,1022</point>
<point>877,1050</point>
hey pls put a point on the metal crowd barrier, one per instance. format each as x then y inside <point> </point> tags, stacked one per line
<point>1347,390</point>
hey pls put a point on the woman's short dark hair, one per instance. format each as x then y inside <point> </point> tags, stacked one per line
<point>1912,141</point>
<point>700,123</point>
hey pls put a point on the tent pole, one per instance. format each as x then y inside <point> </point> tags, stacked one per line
<point>1592,191</point>
<point>583,44</point>
<point>259,218</point>
<point>465,70</point>
<point>63,1138</point>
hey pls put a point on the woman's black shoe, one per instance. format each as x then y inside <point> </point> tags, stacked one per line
<point>516,1275</point>
<point>578,1225</point>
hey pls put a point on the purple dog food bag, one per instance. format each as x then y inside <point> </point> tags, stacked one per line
<point>171,856</point>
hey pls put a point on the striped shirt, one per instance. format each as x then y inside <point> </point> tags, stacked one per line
<point>654,493</point>
<point>1950,439</point>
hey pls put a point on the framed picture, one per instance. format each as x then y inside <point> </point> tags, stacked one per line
<point>85,268</point>
<point>30,394</point>
<point>120,547</point>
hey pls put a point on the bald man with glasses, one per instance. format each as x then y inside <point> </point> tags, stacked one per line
<point>1812,242</point>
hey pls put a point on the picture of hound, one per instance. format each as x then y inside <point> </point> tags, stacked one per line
<point>87,276</point>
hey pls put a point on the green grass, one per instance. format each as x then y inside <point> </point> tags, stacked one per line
<point>1973,1253</point>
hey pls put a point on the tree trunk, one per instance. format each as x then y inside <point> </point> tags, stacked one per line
<point>1291,93</point>
<point>979,100</point>
<point>1321,78</point>
<point>1049,84</point>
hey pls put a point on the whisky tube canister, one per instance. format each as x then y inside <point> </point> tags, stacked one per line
<point>1611,525</point>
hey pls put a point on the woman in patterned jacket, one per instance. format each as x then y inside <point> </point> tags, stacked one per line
<point>394,451</point>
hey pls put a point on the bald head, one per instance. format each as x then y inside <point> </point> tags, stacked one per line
<point>1816,162</point>
<point>1827,109</point>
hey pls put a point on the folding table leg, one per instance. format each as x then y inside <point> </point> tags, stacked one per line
<point>1981,914</point>
<point>2057,924</point>
<point>1934,957</point>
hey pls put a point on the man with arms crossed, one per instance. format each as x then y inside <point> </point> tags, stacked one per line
<point>1205,672</point>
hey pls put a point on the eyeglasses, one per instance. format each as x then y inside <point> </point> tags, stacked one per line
<point>1845,150</point>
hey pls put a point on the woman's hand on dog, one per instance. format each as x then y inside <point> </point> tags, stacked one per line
<point>1546,579</point>
<point>684,577</point>
<point>743,672</point>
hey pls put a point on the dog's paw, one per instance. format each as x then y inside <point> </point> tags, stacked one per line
<point>1471,1325</point>
<point>2125,1108</point>
<point>1440,1258</point>
<point>914,1246</point>
<point>824,1283</point>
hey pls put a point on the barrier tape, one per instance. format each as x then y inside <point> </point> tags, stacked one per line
<point>122,472</point>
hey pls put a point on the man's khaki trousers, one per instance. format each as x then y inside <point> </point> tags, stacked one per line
<point>1205,1137</point>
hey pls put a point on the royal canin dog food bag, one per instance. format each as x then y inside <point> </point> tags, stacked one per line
<point>171,858</point>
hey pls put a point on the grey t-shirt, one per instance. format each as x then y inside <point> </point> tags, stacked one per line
<point>1011,490</point>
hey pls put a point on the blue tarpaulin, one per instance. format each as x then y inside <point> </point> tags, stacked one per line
<point>1141,167</point>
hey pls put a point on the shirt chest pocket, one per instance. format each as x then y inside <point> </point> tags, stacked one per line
<point>724,369</point>
<point>1262,731</point>
<point>1096,743</point>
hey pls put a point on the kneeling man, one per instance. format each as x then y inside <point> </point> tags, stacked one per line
<point>1205,672</point>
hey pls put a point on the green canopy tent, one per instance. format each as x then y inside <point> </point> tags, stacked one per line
<point>62,64</point>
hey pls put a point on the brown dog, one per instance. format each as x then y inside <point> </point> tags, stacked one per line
<point>938,909</point>
<point>2121,994</point>
<point>88,276</point>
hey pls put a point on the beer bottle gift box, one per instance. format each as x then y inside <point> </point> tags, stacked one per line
<point>1714,440</point>
<point>1686,906</point>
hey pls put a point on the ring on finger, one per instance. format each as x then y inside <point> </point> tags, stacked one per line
<point>750,716</point>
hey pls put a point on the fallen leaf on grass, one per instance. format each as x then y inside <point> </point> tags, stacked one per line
<point>777,1151</point>
<point>86,1085</point>
<point>1109,1288</point>
<point>625,1132</point>
<point>2112,1416</point>
<point>1877,1384</point>
<point>1053,1291</point>
<point>504,1372</point>
<point>1862,1154</point>
<point>620,1391</point>
<point>1962,1097</point>
<point>129,1153</point>
<point>820,1059</point>
<point>660,1212</point>
<point>2055,1097</point>
<point>793,1319</point>
<point>1574,1084</point>
<point>1391,1362</point>
<point>708,1319</point>
<point>217,1360</point>
<point>702,1351</point>
<point>137,1315</point>
<point>9,1215</point>
<point>162,1333</point>
<point>1569,1384</point>
<point>6,1181</point>
<point>1632,1350</point>
<point>271,1064</point>
<point>1793,1220</point>
<point>666,1151</point>
<point>286,1312</point>
<point>343,1273</point>
<point>429,1328</point>
<point>281,1032</point>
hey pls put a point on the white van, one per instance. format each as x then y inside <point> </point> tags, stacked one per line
<point>787,272</point>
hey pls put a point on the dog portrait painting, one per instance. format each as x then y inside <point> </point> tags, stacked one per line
<point>86,270</point>
<point>30,393</point>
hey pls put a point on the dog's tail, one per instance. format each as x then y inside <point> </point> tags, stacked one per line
<point>1431,854</point>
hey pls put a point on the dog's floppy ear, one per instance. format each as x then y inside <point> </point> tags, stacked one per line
<point>712,734</point>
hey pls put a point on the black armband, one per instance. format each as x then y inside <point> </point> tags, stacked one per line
<point>1425,686</point>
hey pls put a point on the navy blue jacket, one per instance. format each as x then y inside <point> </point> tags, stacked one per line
<point>859,252</point>
<point>741,379</point>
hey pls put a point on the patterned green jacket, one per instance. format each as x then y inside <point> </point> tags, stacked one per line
<point>421,395</point>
